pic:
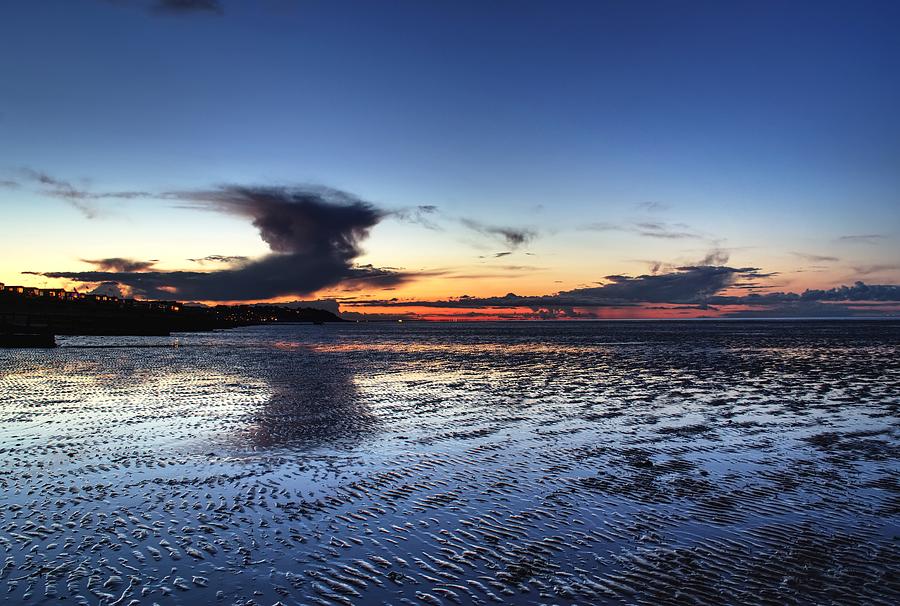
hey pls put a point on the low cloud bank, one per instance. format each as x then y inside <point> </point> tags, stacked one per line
<point>698,287</point>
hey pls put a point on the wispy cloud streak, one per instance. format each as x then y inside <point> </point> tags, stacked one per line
<point>511,236</point>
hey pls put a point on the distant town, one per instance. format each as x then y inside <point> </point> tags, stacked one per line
<point>61,294</point>
<point>35,315</point>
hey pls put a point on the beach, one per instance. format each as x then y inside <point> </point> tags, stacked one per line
<point>705,462</point>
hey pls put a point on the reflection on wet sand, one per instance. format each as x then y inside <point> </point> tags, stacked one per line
<point>313,400</point>
<point>191,397</point>
<point>583,463</point>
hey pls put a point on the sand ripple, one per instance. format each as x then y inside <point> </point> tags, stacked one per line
<point>623,463</point>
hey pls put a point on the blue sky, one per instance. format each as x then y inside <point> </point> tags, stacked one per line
<point>763,125</point>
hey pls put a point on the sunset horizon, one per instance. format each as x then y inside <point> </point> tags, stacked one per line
<point>653,193</point>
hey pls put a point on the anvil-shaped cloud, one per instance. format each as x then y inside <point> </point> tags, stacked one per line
<point>314,235</point>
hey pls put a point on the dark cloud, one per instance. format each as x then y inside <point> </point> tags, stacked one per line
<point>652,207</point>
<point>118,264</point>
<point>180,7</point>
<point>815,258</point>
<point>174,7</point>
<point>689,285</point>
<point>527,268</point>
<point>656,266</point>
<point>863,238</point>
<point>865,270</point>
<point>512,236</point>
<point>813,309</point>
<point>717,256</point>
<point>685,288</point>
<point>314,221</point>
<point>422,215</point>
<point>601,226</point>
<point>388,278</point>
<point>314,234</point>
<point>228,259</point>
<point>859,291</point>
<point>63,189</point>
<point>502,254</point>
<point>8,183</point>
<point>647,229</point>
<point>658,229</point>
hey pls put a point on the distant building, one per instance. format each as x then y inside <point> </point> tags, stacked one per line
<point>60,294</point>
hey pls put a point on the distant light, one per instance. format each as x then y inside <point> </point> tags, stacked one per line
<point>401,321</point>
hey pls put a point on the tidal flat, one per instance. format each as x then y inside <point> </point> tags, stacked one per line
<point>535,463</point>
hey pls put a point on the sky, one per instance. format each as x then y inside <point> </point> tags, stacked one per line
<point>457,160</point>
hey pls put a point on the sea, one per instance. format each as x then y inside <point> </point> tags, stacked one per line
<point>641,462</point>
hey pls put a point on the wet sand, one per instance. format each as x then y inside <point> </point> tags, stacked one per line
<point>620,463</point>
